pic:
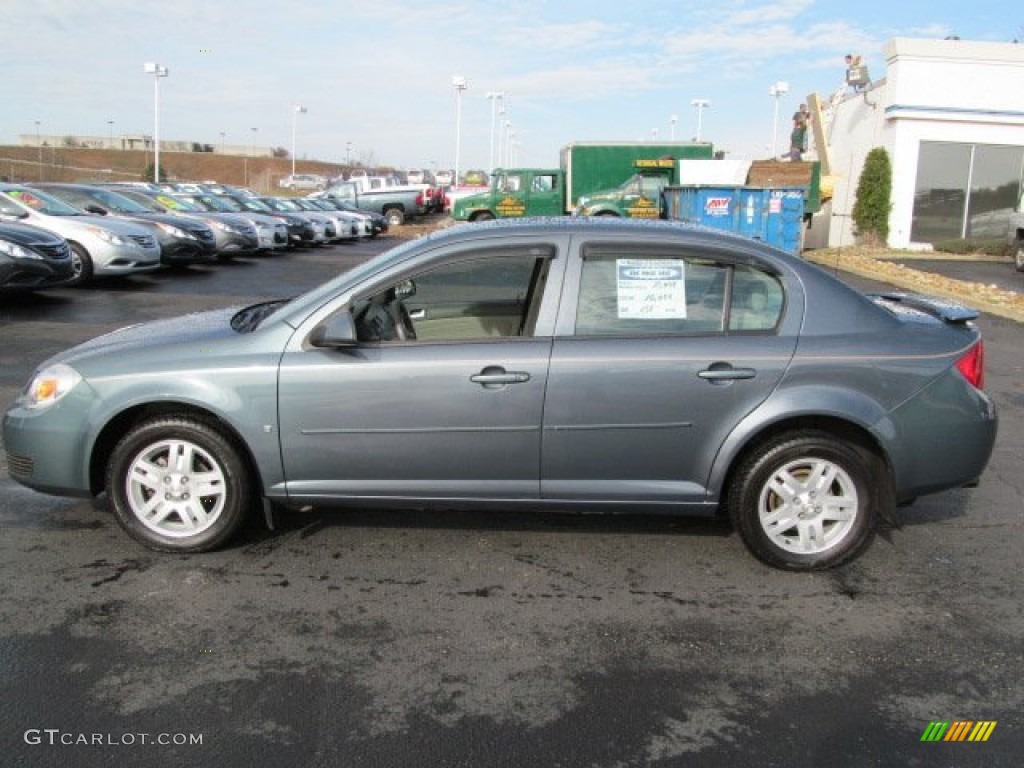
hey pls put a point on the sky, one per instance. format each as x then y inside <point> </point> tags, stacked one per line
<point>376,76</point>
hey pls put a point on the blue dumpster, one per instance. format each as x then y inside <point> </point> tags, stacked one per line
<point>771,214</point>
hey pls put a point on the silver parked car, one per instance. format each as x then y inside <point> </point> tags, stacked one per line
<point>570,363</point>
<point>99,245</point>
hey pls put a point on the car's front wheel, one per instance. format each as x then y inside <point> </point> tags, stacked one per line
<point>1018,254</point>
<point>806,500</point>
<point>178,485</point>
<point>81,265</point>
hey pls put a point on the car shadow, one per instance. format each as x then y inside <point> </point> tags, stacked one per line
<point>307,524</point>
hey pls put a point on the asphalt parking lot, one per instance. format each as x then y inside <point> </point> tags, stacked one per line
<point>399,638</point>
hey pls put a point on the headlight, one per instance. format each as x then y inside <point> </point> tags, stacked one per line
<point>15,251</point>
<point>50,385</point>
<point>107,236</point>
<point>173,231</point>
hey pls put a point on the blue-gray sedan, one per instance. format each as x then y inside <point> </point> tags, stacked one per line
<point>559,363</point>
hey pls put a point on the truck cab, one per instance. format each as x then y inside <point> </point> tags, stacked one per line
<point>639,197</point>
<point>515,193</point>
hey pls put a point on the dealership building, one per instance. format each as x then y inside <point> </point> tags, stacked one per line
<point>950,113</point>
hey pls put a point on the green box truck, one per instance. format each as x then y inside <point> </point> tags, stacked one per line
<point>616,178</point>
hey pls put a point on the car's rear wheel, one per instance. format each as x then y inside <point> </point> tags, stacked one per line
<point>483,216</point>
<point>178,485</point>
<point>81,265</point>
<point>395,217</point>
<point>806,500</point>
<point>1018,254</point>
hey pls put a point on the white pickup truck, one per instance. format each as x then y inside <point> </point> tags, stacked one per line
<point>395,203</point>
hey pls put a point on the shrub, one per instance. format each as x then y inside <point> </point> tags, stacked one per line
<point>874,198</point>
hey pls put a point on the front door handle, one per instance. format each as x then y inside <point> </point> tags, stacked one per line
<point>723,373</point>
<point>494,377</point>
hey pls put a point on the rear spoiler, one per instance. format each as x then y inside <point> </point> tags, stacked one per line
<point>947,310</point>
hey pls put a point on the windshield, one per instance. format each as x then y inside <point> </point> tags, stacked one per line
<point>110,200</point>
<point>253,205</point>
<point>211,203</point>
<point>39,201</point>
<point>272,203</point>
<point>173,203</point>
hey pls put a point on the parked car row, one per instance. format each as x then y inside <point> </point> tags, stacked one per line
<point>64,234</point>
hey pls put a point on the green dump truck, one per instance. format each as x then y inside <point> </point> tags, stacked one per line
<point>614,179</point>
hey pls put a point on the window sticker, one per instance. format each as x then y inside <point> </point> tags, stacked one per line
<point>651,289</point>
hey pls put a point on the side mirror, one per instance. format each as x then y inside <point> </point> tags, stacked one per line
<point>338,331</point>
<point>93,208</point>
<point>405,290</point>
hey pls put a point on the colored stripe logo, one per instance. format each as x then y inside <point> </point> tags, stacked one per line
<point>958,730</point>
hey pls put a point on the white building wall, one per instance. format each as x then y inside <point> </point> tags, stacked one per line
<point>934,90</point>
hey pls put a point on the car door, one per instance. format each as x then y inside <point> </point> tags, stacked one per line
<point>654,363</point>
<point>454,413</point>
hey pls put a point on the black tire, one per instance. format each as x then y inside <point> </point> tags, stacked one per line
<point>395,217</point>
<point>81,265</point>
<point>483,216</point>
<point>835,490</point>
<point>1018,254</point>
<point>140,469</point>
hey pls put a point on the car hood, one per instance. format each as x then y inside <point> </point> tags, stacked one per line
<point>23,234</point>
<point>194,335</point>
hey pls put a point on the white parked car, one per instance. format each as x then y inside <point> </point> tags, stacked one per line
<point>99,245</point>
<point>1016,234</point>
<point>303,181</point>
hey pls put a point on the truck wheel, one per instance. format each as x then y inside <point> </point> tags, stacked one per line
<point>1018,253</point>
<point>482,216</point>
<point>395,217</point>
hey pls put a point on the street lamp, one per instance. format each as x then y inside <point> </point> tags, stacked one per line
<point>701,105</point>
<point>494,97</point>
<point>252,141</point>
<point>459,84</point>
<point>39,145</point>
<point>297,110</point>
<point>672,122</point>
<point>348,154</point>
<point>110,132</point>
<point>777,91</point>
<point>154,69</point>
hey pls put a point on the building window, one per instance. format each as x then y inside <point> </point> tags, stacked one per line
<point>965,190</point>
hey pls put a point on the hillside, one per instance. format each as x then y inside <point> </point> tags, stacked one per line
<point>75,164</point>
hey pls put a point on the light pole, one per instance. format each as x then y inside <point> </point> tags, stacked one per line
<point>494,97</point>
<point>110,132</point>
<point>348,154</point>
<point>459,84</point>
<point>507,161</point>
<point>39,145</point>
<point>672,122</point>
<point>777,90</point>
<point>701,105</point>
<point>252,141</point>
<point>154,69</point>
<point>297,110</point>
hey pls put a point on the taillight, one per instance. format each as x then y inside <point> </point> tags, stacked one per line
<point>972,365</point>
<point>419,199</point>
